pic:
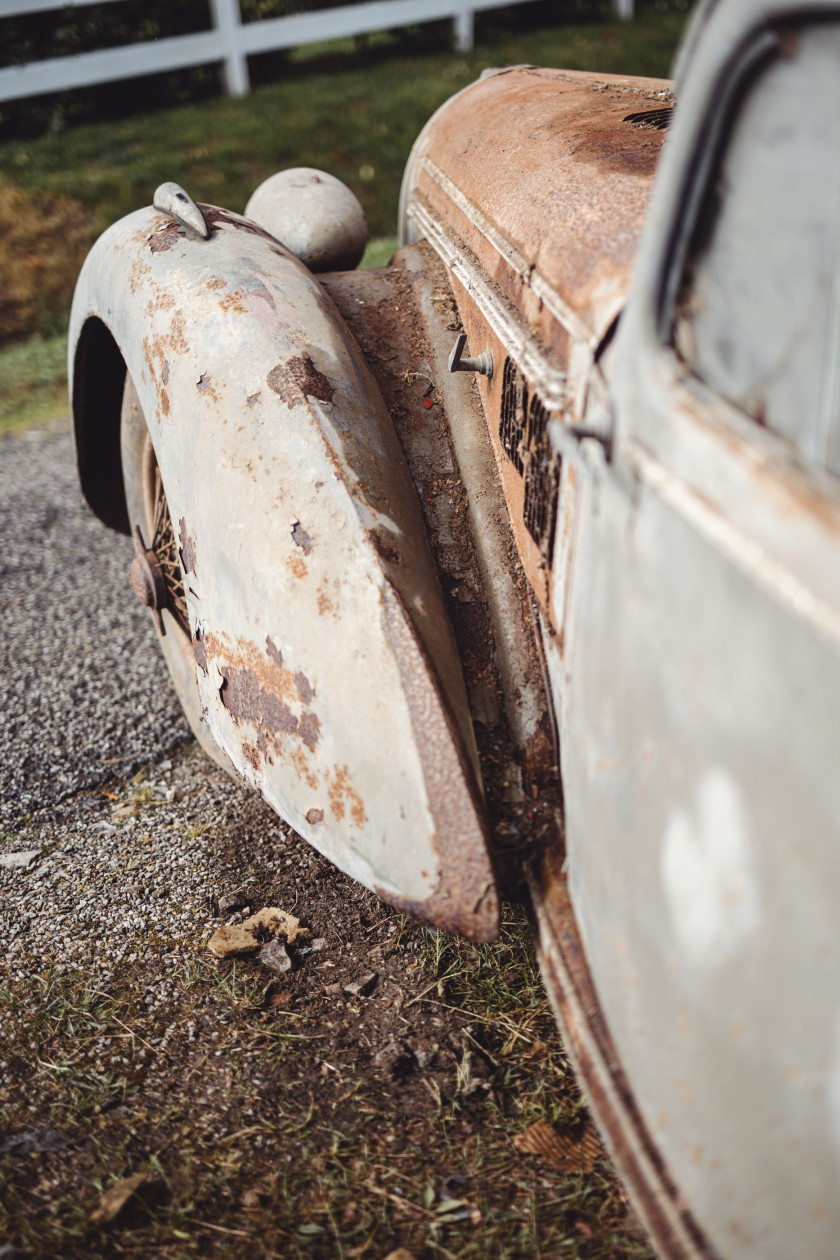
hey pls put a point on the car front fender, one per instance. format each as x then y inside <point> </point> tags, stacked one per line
<point>326,665</point>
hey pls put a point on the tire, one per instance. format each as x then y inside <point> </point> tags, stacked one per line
<point>148,511</point>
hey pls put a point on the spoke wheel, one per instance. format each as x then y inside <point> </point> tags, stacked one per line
<point>156,573</point>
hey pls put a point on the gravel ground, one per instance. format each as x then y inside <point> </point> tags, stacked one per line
<point>113,876</point>
<point>85,691</point>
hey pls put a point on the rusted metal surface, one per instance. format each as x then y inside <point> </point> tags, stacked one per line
<point>539,175</point>
<point>538,225</point>
<point>403,319</point>
<point>323,653</point>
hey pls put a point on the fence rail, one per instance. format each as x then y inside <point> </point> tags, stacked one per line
<point>230,41</point>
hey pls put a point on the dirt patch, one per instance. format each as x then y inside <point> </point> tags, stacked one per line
<point>366,1099</point>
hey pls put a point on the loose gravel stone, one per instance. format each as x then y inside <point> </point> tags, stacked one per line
<point>84,693</point>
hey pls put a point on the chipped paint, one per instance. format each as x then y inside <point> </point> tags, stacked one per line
<point>303,689</point>
<point>301,538</point>
<point>187,549</point>
<point>297,380</point>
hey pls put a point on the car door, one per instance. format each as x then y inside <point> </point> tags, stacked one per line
<point>700,733</point>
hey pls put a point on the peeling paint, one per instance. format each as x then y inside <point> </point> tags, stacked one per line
<point>187,547</point>
<point>199,650</point>
<point>301,538</point>
<point>298,379</point>
<point>305,688</point>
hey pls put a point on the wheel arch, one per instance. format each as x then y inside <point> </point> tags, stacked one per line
<point>98,373</point>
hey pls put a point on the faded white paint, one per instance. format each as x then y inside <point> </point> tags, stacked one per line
<point>708,873</point>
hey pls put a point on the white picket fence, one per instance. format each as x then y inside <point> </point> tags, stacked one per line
<point>230,40</point>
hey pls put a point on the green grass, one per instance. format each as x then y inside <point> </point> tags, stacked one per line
<point>358,123</point>
<point>357,119</point>
<point>33,383</point>
<point>330,1174</point>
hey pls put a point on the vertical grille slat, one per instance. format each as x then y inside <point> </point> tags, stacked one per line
<point>523,433</point>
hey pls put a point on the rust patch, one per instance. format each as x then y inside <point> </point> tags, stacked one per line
<point>258,689</point>
<point>247,701</point>
<point>156,349</point>
<point>164,375</point>
<point>305,689</point>
<point>297,380</point>
<point>301,763</point>
<point>187,547</point>
<point>301,538</point>
<point>310,728</point>
<point>342,793</point>
<point>163,399</point>
<point>199,649</point>
<point>297,567</point>
<point>314,816</point>
<point>252,755</point>
<point>164,238</point>
<point>215,216</point>
<point>325,604</point>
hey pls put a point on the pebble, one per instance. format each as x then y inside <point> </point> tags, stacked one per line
<point>83,694</point>
<point>274,955</point>
<point>363,986</point>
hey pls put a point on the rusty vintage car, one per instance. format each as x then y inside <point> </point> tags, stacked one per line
<point>516,564</point>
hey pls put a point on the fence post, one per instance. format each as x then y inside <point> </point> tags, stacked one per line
<point>623,9</point>
<point>227,19</point>
<point>463,29</point>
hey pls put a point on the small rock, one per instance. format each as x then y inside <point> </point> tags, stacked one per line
<point>454,1186</point>
<point>362,987</point>
<point>230,901</point>
<point>126,811</point>
<point>424,1053</point>
<point>318,944</point>
<point>41,1139</point>
<point>394,1059</point>
<point>232,939</point>
<point>243,938</point>
<point>274,955</point>
<point>23,859</point>
<point>332,989</point>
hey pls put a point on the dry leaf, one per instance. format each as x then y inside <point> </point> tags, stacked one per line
<point>114,1200</point>
<point>561,1150</point>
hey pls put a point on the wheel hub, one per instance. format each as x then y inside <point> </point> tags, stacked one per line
<point>147,578</point>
